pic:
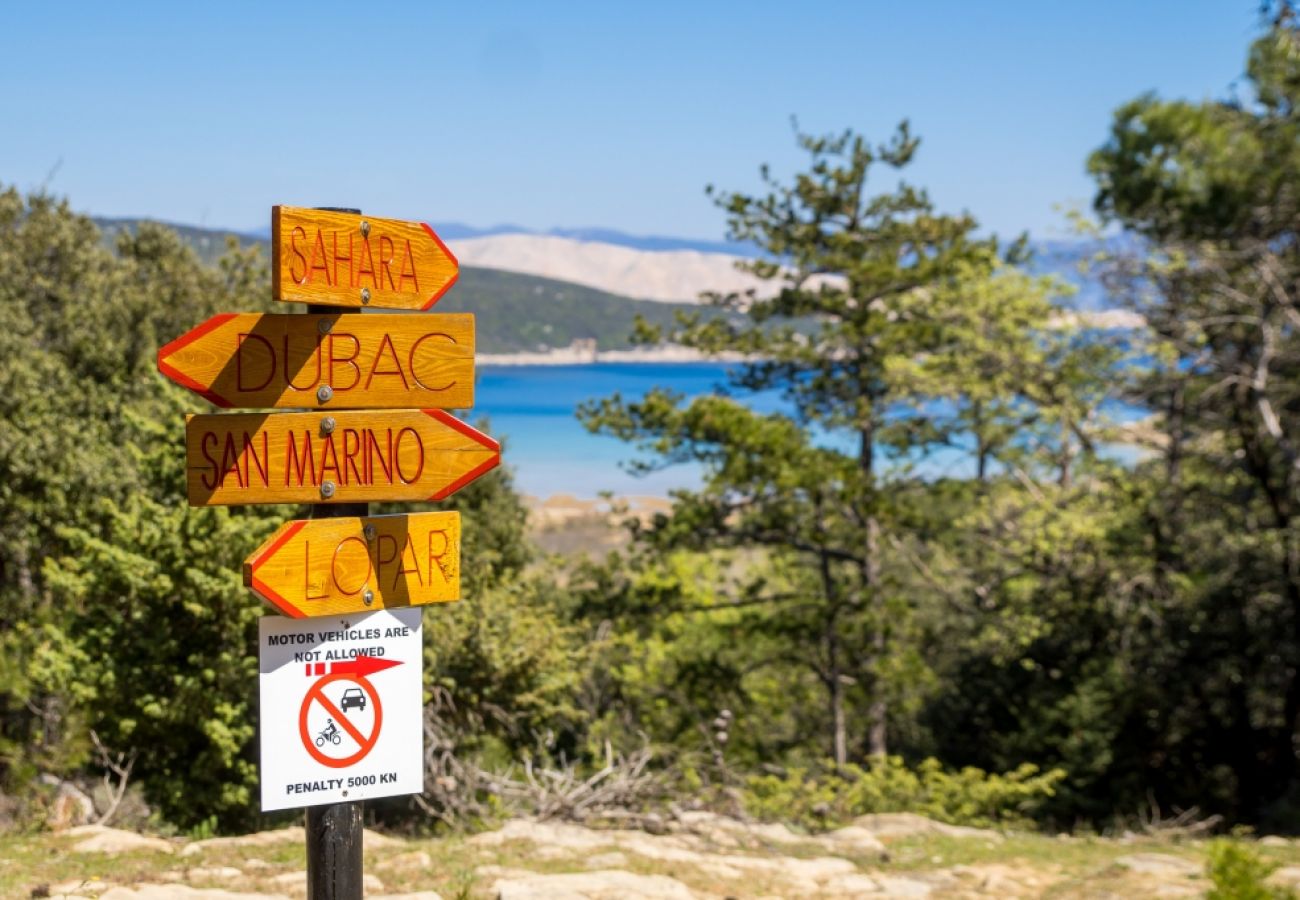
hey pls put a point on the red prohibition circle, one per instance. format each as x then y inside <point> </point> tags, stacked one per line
<point>317,695</point>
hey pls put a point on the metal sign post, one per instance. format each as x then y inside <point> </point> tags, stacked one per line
<point>334,831</point>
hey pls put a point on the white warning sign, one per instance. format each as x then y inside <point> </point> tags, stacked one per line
<point>341,712</point>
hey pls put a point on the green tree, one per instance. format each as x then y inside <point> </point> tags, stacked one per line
<point>1208,190</point>
<point>869,334</point>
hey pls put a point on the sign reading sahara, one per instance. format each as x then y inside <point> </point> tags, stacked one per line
<point>346,259</point>
<point>390,361</point>
<point>340,708</point>
<point>339,457</point>
<point>318,567</point>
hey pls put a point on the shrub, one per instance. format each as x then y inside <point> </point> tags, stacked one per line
<point>1238,874</point>
<point>966,797</point>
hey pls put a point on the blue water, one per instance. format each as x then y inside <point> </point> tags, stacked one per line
<point>531,409</point>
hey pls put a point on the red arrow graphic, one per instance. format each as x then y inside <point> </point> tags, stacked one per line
<point>363,665</point>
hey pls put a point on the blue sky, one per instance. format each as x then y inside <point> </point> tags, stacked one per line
<point>561,114</point>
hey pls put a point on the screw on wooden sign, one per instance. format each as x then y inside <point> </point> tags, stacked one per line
<point>392,361</point>
<point>346,259</point>
<point>410,454</point>
<point>323,567</point>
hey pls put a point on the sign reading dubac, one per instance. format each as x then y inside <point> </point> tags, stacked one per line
<point>341,663</point>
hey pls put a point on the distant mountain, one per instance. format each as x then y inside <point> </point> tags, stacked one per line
<point>664,275</point>
<point>457,231</point>
<point>515,312</point>
<point>544,291</point>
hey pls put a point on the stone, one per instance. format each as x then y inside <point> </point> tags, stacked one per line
<point>1159,864</point>
<point>852,884</point>
<point>292,835</point>
<point>373,840</point>
<point>216,873</point>
<point>181,892</point>
<point>70,807</point>
<point>852,839</point>
<point>550,834</point>
<point>611,860</point>
<point>609,884</point>
<point>1274,840</point>
<point>899,886</point>
<point>414,895</point>
<point>78,886</point>
<point>101,839</point>
<point>415,859</point>
<point>1287,876</point>
<point>371,883</point>
<point>900,825</point>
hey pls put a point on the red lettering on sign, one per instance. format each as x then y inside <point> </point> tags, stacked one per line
<point>351,445</point>
<point>239,362</point>
<point>346,360</point>
<point>397,461</point>
<point>387,465</point>
<point>306,574</point>
<point>329,459</point>
<point>367,265</point>
<point>340,258</point>
<point>263,463</point>
<point>304,463</point>
<point>397,370</point>
<point>288,374</point>
<point>401,564</point>
<point>410,273</point>
<point>319,260</point>
<point>334,566</point>
<point>443,568</point>
<point>386,261</point>
<point>415,376</point>
<point>209,480</point>
<point>300,278</point>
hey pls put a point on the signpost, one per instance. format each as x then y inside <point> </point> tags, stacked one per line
<point>340,258</point>
<point>328,361</point>
<point>341,711</point>
<point>350,565</point>
<point>342,457</point>
<point>341,704</point>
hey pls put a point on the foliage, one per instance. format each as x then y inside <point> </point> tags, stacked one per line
<point>966,797</point>
<point>1239,874</point>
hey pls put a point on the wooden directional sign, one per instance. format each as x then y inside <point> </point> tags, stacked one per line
<point>347,259</point>
<point>335,361</point>
<point>332,457</point>
<point>320,567</point>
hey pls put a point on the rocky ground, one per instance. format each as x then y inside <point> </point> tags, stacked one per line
<point>698,856</point>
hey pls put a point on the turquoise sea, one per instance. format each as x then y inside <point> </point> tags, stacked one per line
<point>531,408</point>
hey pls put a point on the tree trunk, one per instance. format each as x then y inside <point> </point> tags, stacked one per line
<point>878,711</point>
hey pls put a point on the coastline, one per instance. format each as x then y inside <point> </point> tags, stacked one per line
<point>581,355</point>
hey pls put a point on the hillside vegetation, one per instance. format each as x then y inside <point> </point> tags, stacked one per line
<point>514,312</point>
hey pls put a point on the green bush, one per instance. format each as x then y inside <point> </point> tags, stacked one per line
<point>1238,874</point>
<point>966,797</point>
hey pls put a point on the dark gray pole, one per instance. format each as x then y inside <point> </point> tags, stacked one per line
<point>334,830</point>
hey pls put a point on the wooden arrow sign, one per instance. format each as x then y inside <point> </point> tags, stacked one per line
<point>347,259</point>
<point>381,361</point>
<point>332,457</point>
<point>321,567</point>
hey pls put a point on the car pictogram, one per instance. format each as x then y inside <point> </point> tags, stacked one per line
<point>354,697</point>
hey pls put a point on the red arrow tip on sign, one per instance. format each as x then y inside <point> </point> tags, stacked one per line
<point>363,665</point>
